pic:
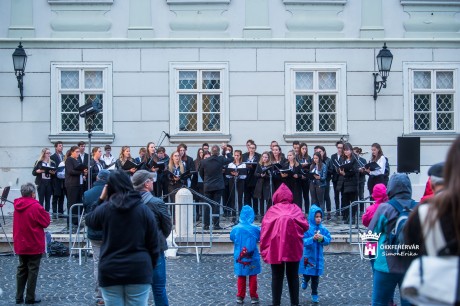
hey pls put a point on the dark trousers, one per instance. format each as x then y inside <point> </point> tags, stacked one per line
<point>305,189</point>
<point>58,202</point>
<point>215,195</point>
<point>347,199</point>
<point>250,199</point>
<point>314,282</point>
<point>27,274</point>
<point>327,196</point>
<point>278,271</point>
<point>73,197</point>
<point>374,180</point>
<point>45,191</point>
<point>240,190</point>
<point>336,196</point>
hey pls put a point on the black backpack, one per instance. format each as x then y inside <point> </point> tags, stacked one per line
<point>57,249</point>
<point>395,227</point>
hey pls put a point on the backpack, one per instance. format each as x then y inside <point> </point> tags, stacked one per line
<point>395,227</point>
<point>57,249</point>
<point>386,174</point>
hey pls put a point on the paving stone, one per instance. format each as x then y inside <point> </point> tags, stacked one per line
<point>347,281</point>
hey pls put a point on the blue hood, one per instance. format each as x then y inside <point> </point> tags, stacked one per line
<point>247,215</point>
<point>399,187</point>
<point>311,214</point>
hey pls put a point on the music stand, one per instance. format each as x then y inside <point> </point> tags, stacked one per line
<point>3,200</point>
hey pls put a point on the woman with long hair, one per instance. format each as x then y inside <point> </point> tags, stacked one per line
<point>125,155</point>
<point>305,161</point>
<point>263,191</point>
<point>318,184</point>
<point>74,172</point>
<point>176,168</point>
<point>127,258</point>
<point>278,160</point>
<point>236,179</point>
<point>44,171</point>
<point>327,163</point>
<point>349,173</point>
<point>290,175</point>
<point>376,176</point>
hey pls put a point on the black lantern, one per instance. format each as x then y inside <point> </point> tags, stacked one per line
<point>19,62</point>
<point>384,61</point>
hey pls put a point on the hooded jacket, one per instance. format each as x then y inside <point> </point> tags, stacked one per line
<point>245,236</point>
<point>379,194</point>
<point>282,229</point>
<point>130,244</point>
<point>29,220</point>
<point>399,189</point>
<point>313,255</point>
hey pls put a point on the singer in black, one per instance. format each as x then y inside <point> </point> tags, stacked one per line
<point>251,158</point>
<point>349,171</point>
<point>327,163</point>
<point>362,175</point>
<point>213,182</point>
<point>305,162</point>
<point>176,168</point>
<point>235,177</point>
<point>264,190</point>
<point>376,176</point>
<point>290,175</point>
<point>333,170</point>
<point>44,172</point>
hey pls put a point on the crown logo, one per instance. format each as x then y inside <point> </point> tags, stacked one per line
<point>370,236</point>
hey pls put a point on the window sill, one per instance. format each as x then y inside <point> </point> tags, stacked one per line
<point>435,138</point>
<point>315,138</point>
<point>74,138</point>
<point>199,138</point>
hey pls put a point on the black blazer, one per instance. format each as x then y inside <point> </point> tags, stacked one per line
<point>85,159</point>
<point>95,170</point>
<point>38,176</point>
<point>211,172</point>
<point>72,176</point>
<point>251,180</point>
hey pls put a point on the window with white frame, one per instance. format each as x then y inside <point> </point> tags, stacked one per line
<point>75,86</point>
<point>433,100</point>
<point>315,99</point>
<point>199,98</point>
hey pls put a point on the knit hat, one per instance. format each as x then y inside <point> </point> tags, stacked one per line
<point>139,178</point>
<point>436,170</point>
<point>103,175</point>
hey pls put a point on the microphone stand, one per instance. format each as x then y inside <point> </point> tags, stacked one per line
<point>160,140</point>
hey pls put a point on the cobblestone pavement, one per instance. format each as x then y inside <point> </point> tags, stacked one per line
<point>347,281</point>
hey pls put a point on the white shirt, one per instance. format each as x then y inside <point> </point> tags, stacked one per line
<point>381,162</point>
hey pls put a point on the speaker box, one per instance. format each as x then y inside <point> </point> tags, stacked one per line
<point>409,154</point>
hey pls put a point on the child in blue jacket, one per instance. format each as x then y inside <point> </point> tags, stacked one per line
<point>312,264</point>
<point>246,255</point>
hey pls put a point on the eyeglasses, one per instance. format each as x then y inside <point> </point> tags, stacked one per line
<point>48,153</point>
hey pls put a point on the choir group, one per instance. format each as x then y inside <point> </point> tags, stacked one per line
<point>250,178</point>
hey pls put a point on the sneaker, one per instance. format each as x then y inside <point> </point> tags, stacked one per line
<point>315,298</point>
<point>254,301</point>
<point>304,284</point>
<point>100,302</point>
<point>239,300</point>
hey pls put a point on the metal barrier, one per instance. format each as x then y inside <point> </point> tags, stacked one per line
<point>185,233</point>
<point>72,243</point>
<point>358,219</point>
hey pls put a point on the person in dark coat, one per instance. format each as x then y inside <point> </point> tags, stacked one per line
<point>29,220</point>
<point>57,203</point>
<point>130,243</point>
<point>213,182</point>
<point>90,202</point>
<point>349,172</point>
<point>143,182</point>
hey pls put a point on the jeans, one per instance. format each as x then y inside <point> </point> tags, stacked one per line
<point>96,246</point>
<point>292,276</point>
<point>27,273</point>
<point>159,282</point>
<point>126,295</point>
<point>384,287</point>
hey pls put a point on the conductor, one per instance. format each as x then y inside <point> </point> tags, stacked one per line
<point>213,182</point>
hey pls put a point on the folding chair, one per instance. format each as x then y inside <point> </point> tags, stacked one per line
<point>3,200</point>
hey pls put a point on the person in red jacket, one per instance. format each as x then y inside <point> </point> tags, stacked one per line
<point>281,243</point>
<point>29,220</point>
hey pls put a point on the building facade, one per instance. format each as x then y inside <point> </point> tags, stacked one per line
<point>228,70</point>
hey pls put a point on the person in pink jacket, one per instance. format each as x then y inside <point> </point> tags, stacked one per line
<point>281,245</point>
<point>379,194</point>
<point>29,221</point>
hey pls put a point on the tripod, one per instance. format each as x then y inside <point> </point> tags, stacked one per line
<point>6,237</point>
<point>89,128</point>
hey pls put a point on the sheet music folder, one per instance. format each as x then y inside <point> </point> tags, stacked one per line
<point>372,166</point>
<point>128,165</point>
<point>241,171</point>
<point>81,167</point>
<point>153,164</point>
